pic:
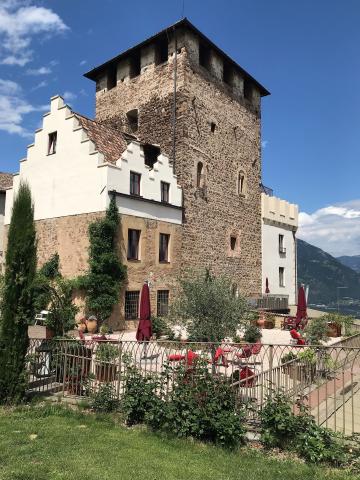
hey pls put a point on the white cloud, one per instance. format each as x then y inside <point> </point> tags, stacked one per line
<point>335,228</point>
<point>42,84</point>
<point>69,96</point>
<point>39,71</point>
<point>20,21</point>
<point>83,62</point>
<point>264,143</point>
<point>13,108</point>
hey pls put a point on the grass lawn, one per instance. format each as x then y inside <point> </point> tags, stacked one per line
<point>50,443</point>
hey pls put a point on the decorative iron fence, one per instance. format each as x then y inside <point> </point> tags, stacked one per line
<point>326,378</point>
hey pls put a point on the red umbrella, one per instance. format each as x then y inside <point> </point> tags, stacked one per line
<point>267,289</point>
<point>301,306</point>
<point>144,330</point>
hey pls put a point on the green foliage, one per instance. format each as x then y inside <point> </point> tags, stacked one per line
<point>50,269</point>
<point>207,308</point>
<point>103,399</point>
<point>17,305</point>
<point>252,334</point>
<point>299,432</point>
<point>106,352</point>
<point>308,356</point>
<point>288,357</point>
<point>199,405</point>
<point>344,321</point>
<point>316,330</point>
<point>160,327</point>
<point>106,273</point>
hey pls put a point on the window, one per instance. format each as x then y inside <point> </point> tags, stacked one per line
<point>200,175</point>
<point>133,244</point>
<point>241,184</point>
<point>132,305</point>
<point>282,249</point>
<point>135,179</point>
<point>165,188</point>
<point>133,120</point>
<point>52,143</point>
<point>204,56</point>
<point>164,247</point>
<point>161,53</point>
<point>233,242</point>
<point>247,90</point>
<point>111,78</point>
<point>227,73</point>
<point>135,65</point>
<point>151,153</point>
<point>162,303</point>
<point>281,276</point>
<point>213,127</point>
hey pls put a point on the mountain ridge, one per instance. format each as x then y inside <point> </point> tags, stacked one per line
<point>352,261</point>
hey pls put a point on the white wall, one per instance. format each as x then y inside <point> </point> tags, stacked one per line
<point>272,260</point>
<point>76,180</point>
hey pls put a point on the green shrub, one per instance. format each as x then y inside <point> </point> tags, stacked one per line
<point>104,400</point>
<point>160,327</point>
<point>281,428</point>
<point>252,334</point>
<point>106,352</point>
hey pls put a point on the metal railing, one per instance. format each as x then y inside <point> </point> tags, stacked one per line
<point>326,378</point>
<point>273,302</point>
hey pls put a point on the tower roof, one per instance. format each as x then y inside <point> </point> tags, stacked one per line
<point>184,23</point>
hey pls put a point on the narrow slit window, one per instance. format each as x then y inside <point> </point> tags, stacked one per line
<point>165,189</point>
<point>213,127</point>
<point>204,56</point>
<point>241,184</point>
<point>133,244</point>
<point>281,244</point>
<point>161,55</point>
<point>247,90</point>
<point>135,65</point>
<point>281,276</point>
<point>135,179</point>
<point>200,175</point>
<point>133,120</point>
<point>52,143</point>
<point>164,247</point>
<point>233,241</point>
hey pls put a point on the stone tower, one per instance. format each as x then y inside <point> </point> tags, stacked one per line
<point>178,92</point>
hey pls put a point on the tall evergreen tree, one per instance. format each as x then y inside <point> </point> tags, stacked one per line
<point>17,305</point>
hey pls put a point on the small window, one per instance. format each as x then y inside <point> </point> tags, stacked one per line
<point>133,244</point>
<point>161,53</point>
<point>132,305</point>
<point>282,249</point>
<point>151,153</point>
<point>162,303</point>
<point>200,175</point>
<point>227,73</point>
<point>135,179</point>
<point>204,56</point>
<point>164,247</point>
<point>233,241</point>
<point>111,78</point>
<point>241,183</point>
<point>213,127</point>
<point>135,65</point>
<point>247,90</point>
<point>165,189</point>
<point>133,120</point>
<point>52,143</point>
<point>281,276</point>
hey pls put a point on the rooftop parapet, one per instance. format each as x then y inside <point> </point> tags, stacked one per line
<point>276,210</point>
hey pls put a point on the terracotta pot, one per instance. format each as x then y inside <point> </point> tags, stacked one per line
<point>105,372</point>
<point>334,330</point>
<point>91,326</point>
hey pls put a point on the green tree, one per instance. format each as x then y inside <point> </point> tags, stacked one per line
<point>17,305</point>
<point>207,307</point>
<point>106,273</point>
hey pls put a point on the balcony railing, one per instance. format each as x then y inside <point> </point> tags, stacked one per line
<point>273,302</point>
<point>282,250</point>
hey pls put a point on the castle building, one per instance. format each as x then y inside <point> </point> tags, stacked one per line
<point>176,138</point>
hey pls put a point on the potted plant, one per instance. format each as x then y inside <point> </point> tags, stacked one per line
<point>252,334</point>
<point>106,368</point>
<point>307,362</point>
<point>339,324</point>
<point>316,330</point>
<point>269,321</point>
<point>261,320</point>
<point>92,324</point>
<point>288,362</point>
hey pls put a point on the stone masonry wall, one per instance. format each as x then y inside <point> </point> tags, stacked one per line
<point>213,214</point>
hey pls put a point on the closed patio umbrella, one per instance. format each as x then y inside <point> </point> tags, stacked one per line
<point>267,289</point>
<point>144,330</point>
<point>301,306</point>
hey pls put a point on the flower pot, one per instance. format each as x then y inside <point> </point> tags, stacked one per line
<point>91,326</point>
<point>105,372</point>
<point>334,330</point>
<point>81,327</point>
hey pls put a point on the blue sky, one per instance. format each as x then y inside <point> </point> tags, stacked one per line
<point>305,52</point>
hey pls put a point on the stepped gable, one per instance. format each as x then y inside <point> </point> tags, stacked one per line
<point>110,142</point>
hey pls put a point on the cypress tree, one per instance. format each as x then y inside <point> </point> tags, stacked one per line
<point>17,305</point>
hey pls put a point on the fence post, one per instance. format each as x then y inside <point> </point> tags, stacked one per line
<point>119,372</point>
<point>271,363</point>
<point>64,374</point>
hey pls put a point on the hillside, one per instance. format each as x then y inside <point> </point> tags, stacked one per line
<point>351,262</point>
<point>323,273</point>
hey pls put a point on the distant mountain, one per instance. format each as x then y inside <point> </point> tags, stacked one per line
<point>351,262</point>
<point>324,273</point>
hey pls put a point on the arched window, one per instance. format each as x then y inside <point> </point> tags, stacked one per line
<point>241,184</point>
<point>200,175</point>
